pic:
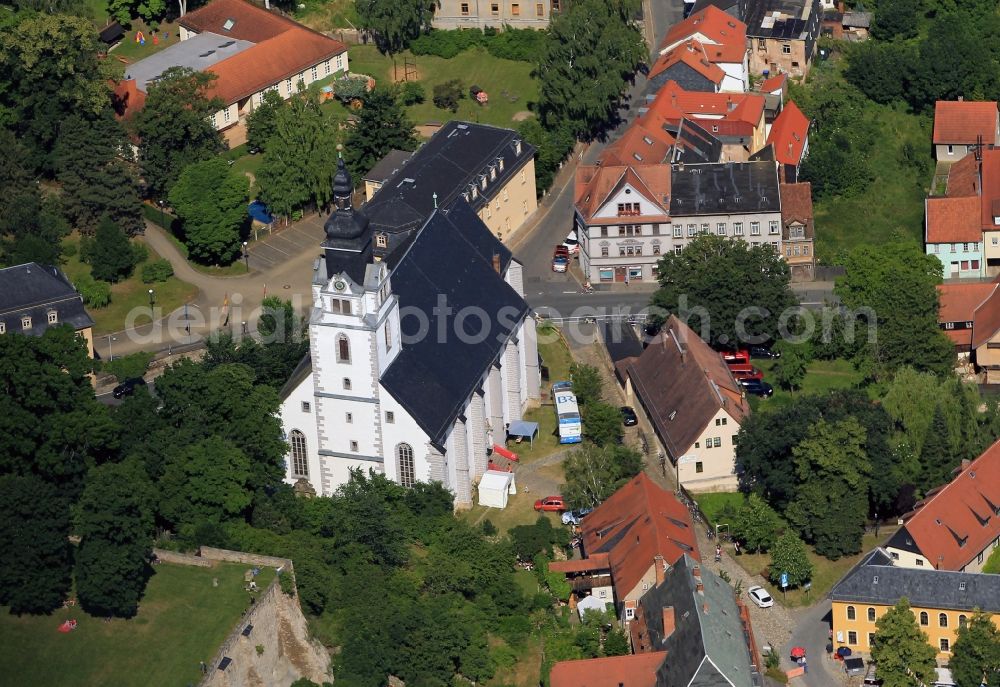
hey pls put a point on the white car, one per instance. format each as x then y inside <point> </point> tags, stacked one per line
<point>571,243</point>
<point>760,597</point>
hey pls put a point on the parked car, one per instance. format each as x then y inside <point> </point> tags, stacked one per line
<point>740,357</point>
<point>870,677</point>
<point>551,503</point>
<point>128,387</point>
<point>629,418</point>
<point>741,372</point>
<point>560,263</point>
<point>571,243</point>
<point>760,597</point>
<point>763,353</point>
<point>854,666</point>
<point>574,517</point>
<point>757,387</point>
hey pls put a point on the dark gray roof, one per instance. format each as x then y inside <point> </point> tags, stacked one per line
<point>111,34</point>
<point>765,153</point>
<point>620,339</point>
<point>694,145</point>
<point>876,580</point>
<point>860,20</point>
<point>32,290</point>
<point>735,8</point>
<point>388,165</point>
<point>456,158</point>
<point>715,634</point>
<point>450,258</point>
<point>301,371</point>
<point>724,188</point>
<point>783,19</point>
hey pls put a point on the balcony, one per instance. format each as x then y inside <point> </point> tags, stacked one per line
<point>629,213</point>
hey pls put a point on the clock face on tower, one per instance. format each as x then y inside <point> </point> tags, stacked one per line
<point>339,285</point>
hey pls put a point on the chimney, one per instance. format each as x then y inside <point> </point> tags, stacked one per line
<point>496,262</point>
<point>700,588</point>
<point>669,621</point>
<point>961,98</point>
<point>704,607</point>
<point>965,464</point>
<point>660,567</point>
<point>696,572</point>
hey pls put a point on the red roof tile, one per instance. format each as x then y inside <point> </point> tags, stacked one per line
<point>990,175</point>
<point>126,98</point>
<point>637,670</point>
<point>963,177</point>
<point>637,523</point>
<point>683,384</point>
<point>962,338</point>
<point>275,59</point>
<point>692,53</point>
<point>797,206</point>
<point>672,103</point>
<point>960,520</point>
<point>249,22</point>
<point>959,301</point>
<point>986,323</point>
<point>789,134</point>
<point>953,220</point>
<point>596,184</point>
<point>963,121</point>
<point>638,145</point>
<point>774,84</point>
<point>599,561</point>
<point>725,35</point>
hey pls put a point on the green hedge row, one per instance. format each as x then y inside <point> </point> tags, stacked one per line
<point>524,45</point>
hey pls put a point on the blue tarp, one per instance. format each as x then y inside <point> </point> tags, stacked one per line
<point>523,429</point>
<point>258,211</point>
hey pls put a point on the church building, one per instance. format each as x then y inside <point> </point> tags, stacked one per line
<point>422,350</point>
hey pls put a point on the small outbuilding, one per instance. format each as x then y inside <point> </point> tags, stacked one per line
<point>495,487</point>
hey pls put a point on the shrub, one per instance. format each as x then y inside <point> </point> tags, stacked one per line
<point>446,44</point>
<point>348,88</point>
<point>489,529</point>
<point>524,45</point>
<point>96,294</point>
<point>128,366</point>
<point>157,271</point>
<point>412,93</point>
<point>447,95</point>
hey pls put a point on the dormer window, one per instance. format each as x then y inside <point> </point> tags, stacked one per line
<point>482,182</point>
<point>500,163</point>
<point>475,193</point>
<point>493,173</point>
<point>26,322</point>
<point>381,240</point>
<point>53,317</point>
<point>517,147</point>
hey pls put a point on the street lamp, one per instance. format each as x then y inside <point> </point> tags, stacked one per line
<point>246,256</point>
<point>151,299</point>
<point>111,353</point>
<point>163,221</point>
<point>244,326</point>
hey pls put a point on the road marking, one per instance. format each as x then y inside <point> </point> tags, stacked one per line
<point>569,291</point>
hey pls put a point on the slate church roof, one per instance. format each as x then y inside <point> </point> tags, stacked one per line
<point>450,258</point>
<point>33,290</point>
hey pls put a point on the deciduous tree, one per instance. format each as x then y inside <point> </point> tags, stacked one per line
<point>789,555</point>
<point>757,524</point>
<point>602,423</point>
<point>790,369</point>
<point>593,473</point>
<point>588,387</point>
<point>262,124</point>
<point>902,651</point>
<point>894,19</point>
<point>728,291</point>
<point>211,201</point>
<point>110,254</point>
<point>975,655</point>
<point>382,126</point>
<point>205,482</point>
<point>394,23</point>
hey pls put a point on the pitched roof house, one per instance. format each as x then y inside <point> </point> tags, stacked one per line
<point>798,231</point>
<point>782,35</point>
<point>632,537</point>
<point>960,125</point>
<point>610,671</point>
<point>35,297</point>
<point>958,305</point>
<point>790,137</point>
<point>249,49</point>
<point>958,524</point>
<point>695,405</point>
<point>709,44</point>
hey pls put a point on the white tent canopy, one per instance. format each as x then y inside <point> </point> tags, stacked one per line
<point>494,488</point>
<point>591,603</point>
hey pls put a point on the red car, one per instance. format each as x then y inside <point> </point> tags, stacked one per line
<point>746,372</point>
<point>551,503</point>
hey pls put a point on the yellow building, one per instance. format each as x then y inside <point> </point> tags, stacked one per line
<point>942,601</point>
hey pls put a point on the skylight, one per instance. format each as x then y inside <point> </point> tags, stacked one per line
<point>230,23</point>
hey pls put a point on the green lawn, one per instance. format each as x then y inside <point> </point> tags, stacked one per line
<point>128,294</point>
<point>822,376</point>
<point>713,504</point>
<point>328,15</point>
<point>128,51</point>
<point>474,67</point>
<point>182,620</point>
<point>993,563</point>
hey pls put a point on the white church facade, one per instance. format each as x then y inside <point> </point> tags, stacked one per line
<point>422,350</point>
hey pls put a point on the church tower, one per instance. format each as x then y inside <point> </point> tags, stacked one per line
<point>348,244</point>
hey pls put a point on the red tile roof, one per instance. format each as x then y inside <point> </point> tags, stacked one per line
<point>126,98</point>
<point>596,184</point>
<point>986,322</point>
<point>286,55</point>
<point>963,177</point>
<point>953,220</point>
<point>638,670</point>
<point>637,523</point>
<point>990,175</point>
<point>709,109</point>
<point>725,36</point>
<point>691,53</point>
<point>683,384</point>
<point>797,206</point>
<point>599,561</point>
<point>959,301</point>
<point>774,84</point>
<point>963,121</point>
<point>789,135</point>
<point>250,23</point>
<point>960,520</point>
<point>638,145</point>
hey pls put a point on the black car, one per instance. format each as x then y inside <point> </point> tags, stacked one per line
<point>128,387</point>
<point>764,353</point>
<point>757,387</point>
<point>629,418</point>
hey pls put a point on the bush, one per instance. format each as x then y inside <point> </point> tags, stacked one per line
<point>511,44</point>
<point>524,45</point>
<point>348,88</point>
<point>489,529</point>
<point>111,254</point>
<point>96,294</point>
<point>412,93</point>
<point>447,95</point>
<point>128,366</point>
<point>157,271</point>
<point>446,44</point>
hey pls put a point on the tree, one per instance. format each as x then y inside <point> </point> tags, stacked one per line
<point>936,460</point>
<point>831,504</point>
<point>382,126</point>
<point>448,94</point>
<point>95,182</point>
<point>975,655</point>
<point>616,644</point>
<point>175,126</point>
<point>588,387</point>
<point>894,19</point>
<point>894,288</point>
<point>790,369</point>
<point>298,168</point>
<point>115,524</point>
<point>593,473</point>
<point>788,555</point>
<point>602,423</point>
<point>393,24</point>
<point>35,560</point>
<point>553,146</point>
<point>278,321</point>
<point>727,290</point>
<point>591,50</point>
<point>110,254</point>
<point>756,524</point>
<point>211,201</point>
<point>262,124</point>
<point>205,482</point>
<point>124,10</point>
<point>902,651</point>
